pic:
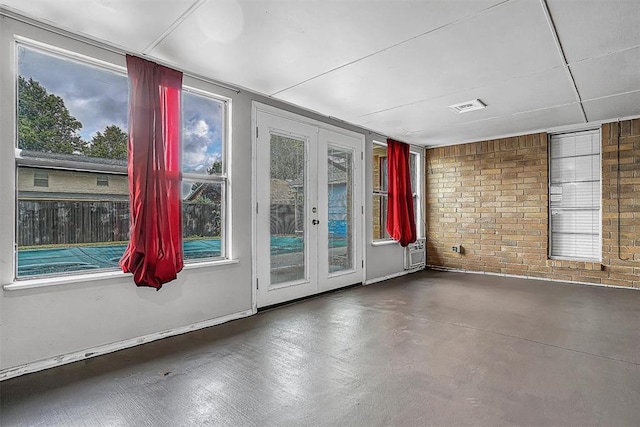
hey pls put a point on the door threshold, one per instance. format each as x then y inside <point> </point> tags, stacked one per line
<point>308,297</point>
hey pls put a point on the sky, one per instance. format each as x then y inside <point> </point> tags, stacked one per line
<point>99,98</point>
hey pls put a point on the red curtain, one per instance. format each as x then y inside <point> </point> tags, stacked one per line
<point>401,223</point>
<point>154,253</point>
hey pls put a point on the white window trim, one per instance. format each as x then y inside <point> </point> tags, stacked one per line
<point>382,193</point>
<point>598,259</point>
<point>84,277</point>
<point>46,163</point>
<point>418,194</point>
<point>223,177</point>
<point>107,273</point>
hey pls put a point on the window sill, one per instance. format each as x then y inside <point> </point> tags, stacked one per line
<point>213,263</point>
<point>384,242</point>
<point>44,282</point>
<point>557,262</point>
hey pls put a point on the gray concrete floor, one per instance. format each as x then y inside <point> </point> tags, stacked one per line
<point>431,348</point>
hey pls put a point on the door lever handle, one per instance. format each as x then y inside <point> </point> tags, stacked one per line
<point>315,222</point>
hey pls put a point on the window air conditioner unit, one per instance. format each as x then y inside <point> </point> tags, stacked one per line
<point>415,255</point>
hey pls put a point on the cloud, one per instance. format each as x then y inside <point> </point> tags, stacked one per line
<point>99,98</point>
<point>202,136</point>
<point>201,146</point>
<point>94,96</point>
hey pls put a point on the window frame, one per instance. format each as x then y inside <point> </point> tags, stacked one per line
<point>51,164</point>
<point>550,255</point>
<point>222,177</point>
<point>42,180</point>
<point>102,180</point>
<point>44,162</point>
<point>383,194</point>
<point>417,192</point>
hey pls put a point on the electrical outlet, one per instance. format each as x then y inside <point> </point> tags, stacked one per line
<point>457,249</point>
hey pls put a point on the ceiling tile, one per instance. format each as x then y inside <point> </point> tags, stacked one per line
<point>129,24</point>
<point>523,123</point>
<point>588,29</point>
<point>550,88</point>
<point>510,40</point>
<point>269,46</point>
<point>626,105</point>
<point>608,75</point>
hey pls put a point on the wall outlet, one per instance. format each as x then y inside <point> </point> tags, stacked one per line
<point>457,249</point>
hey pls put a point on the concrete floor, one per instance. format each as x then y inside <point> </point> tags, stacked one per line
<point>431,348</point>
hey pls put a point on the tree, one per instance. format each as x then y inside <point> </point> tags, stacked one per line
<point>112,144</point>
<point>287,158</point>
<point>215,168</point>
<point>204,192</point>
<point>44,122</point>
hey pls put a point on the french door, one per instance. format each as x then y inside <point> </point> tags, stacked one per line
<point>308,185</point>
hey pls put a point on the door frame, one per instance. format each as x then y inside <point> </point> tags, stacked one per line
<point>258,106</point>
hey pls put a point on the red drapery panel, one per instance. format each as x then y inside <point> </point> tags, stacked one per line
<point>401,223</point>
<point>154,253</point>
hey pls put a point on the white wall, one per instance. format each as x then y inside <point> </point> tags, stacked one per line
<point>47,322</point>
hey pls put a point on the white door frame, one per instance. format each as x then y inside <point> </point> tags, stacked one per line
<point>258,106</point>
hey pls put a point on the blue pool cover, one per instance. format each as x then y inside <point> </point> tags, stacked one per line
<point>33,262</point>
<point>36,262</point>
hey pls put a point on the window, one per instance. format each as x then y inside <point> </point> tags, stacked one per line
<point>40,178</point>
<point>71,129</point>
<point>102,181</point>
<point>416,186</point>
<point>574,195</point>
<point>204,171</point>
<point>71,161</point>
<point>379,169</point>
<point>380,188</point>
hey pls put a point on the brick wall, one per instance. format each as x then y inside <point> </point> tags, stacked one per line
<point>491,197</point>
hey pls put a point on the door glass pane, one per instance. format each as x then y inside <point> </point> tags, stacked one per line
<point>287,218</point>
<point>340,209</point>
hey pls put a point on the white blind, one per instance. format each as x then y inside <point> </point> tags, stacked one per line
<point>574,195</point>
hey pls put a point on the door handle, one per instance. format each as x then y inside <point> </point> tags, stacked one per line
<point>315,222</point>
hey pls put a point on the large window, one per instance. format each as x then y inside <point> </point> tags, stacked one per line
<point>379,206</point>
<point>574,196</point>
<point>416,187</point>
<point>71,161</point>
<point>204,172</point>
<point>71,140</point>
<point>380,188</point>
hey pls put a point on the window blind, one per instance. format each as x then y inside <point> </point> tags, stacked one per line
<point>574,195</point>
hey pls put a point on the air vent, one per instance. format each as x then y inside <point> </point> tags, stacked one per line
<point>467,106</point>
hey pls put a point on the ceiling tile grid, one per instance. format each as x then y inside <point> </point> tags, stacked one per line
<point>608,75</point>
<point>128,24</point>
<point>391,66</point>
<point>507,41</point>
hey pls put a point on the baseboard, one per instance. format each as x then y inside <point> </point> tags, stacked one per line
<point>489,273</point>
<point>391,276</point>
<point>52,362</point>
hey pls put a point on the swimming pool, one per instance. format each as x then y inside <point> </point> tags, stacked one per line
<point>37,262</point>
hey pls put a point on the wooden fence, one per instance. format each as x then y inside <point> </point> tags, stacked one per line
<point>48,222</point>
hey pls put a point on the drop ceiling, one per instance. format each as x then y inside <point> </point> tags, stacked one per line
<point>391,66</point>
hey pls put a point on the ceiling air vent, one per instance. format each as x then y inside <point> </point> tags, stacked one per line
<point>467,106</point>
